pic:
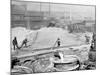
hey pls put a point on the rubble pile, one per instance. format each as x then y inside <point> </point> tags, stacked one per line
<point>74,56</point>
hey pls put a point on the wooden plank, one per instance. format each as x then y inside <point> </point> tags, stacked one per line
<point>44,51</point>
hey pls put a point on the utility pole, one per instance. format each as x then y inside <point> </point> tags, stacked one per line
<point>70,14</point>
<point>27,16</point>
<point>49,9</point>
<point>65,14</point>
<point>40,7</point>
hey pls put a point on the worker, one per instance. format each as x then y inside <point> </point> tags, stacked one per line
<point>87,39</point>
<point>58,42</point>
<point>24,43</point>
<point>15,43</point>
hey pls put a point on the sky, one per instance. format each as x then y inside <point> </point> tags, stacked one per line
<point>75,10</point>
